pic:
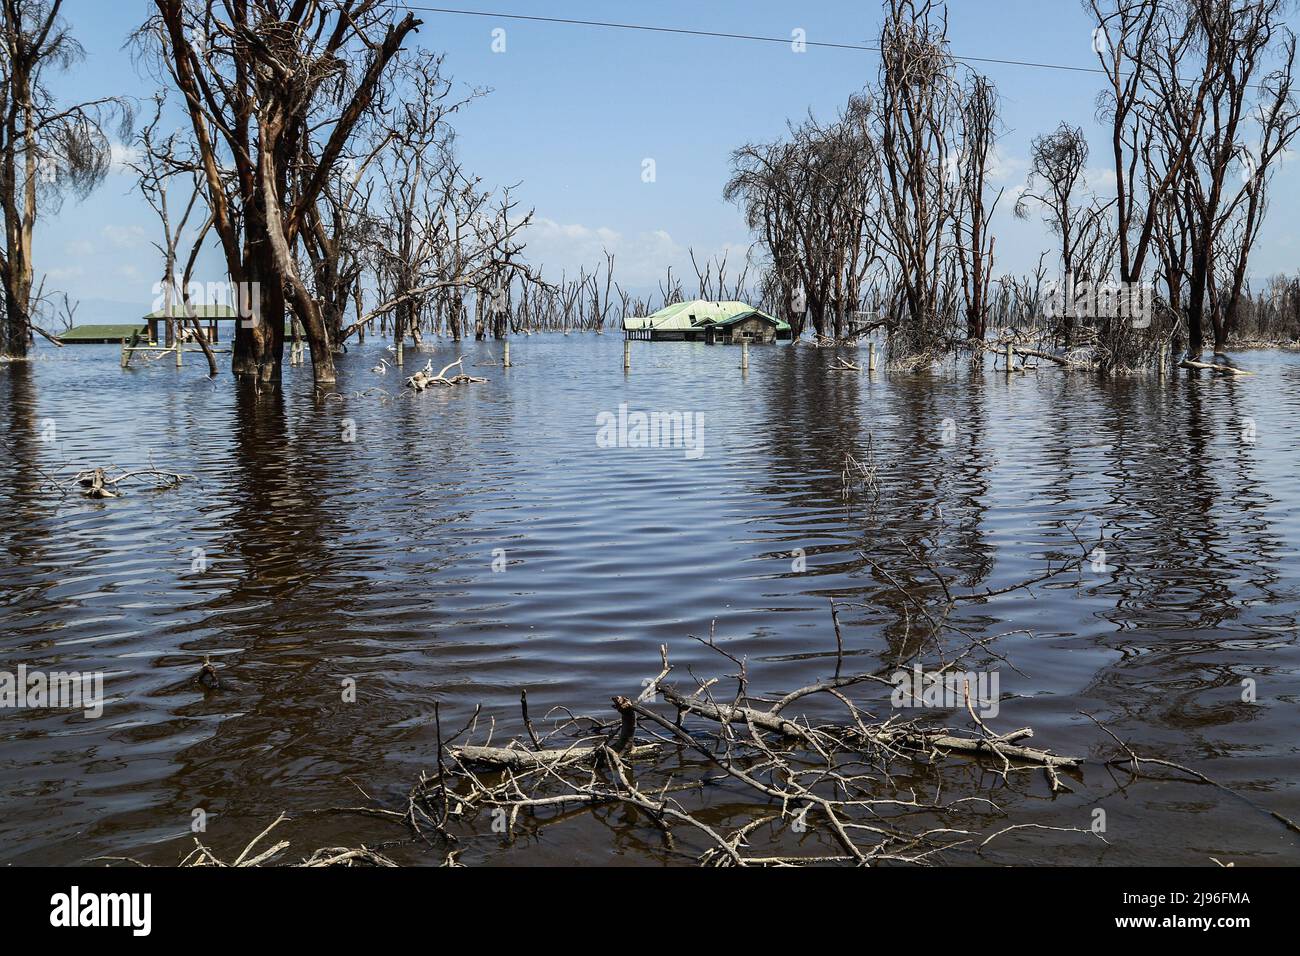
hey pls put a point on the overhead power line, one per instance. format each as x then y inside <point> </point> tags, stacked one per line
<point>718,34</point>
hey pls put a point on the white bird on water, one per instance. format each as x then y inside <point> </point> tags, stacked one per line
<point>381,368</point>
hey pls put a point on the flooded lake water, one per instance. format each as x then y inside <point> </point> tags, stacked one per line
<point>325,561</point>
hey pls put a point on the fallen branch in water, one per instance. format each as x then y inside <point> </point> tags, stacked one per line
<point>97,483</point>
<point>516,758</point>
<point>1047,357</point>
<point>204,856</point>
<point>1221,368</point>
<point>1134,761</point>
<point>783,773</point>
<point>880,735</point>
<point>425,377</point>
<point>1069,360</point>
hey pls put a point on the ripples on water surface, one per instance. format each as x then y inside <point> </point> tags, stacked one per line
<point>373,560</point>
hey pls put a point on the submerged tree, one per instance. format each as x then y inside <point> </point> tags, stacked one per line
<point>337,240</point>
<point>159,159</point>
<point>1185,82</point>
<point>812,200</point>
<point>763,184</point>
<point>1247,54</point>
<point>1057,161</point>
<point>439,235</point>
<point>975,206</point>
<point>274,94</point>
<point>890,205</point>
<point>47,148</point>
<point>921,108</point>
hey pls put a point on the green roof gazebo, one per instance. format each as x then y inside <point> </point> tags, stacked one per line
<point>701,320</point>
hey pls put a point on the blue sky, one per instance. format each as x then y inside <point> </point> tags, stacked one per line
<point>575,110</point>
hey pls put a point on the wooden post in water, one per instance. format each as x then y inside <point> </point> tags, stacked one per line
<point>178,348</point>
<point>627,354</point>
<point>744,355</point>
<point>871,356</point>
<point>505,359</point>
<point>400,343</point>
<point>126,356</point>
<point>1011,354</point>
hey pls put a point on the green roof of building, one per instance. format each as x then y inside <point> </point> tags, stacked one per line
<point>100,333</point>
<point>699,313</point>
<point>213,311</point>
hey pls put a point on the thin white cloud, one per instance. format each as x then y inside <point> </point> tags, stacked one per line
<point>1003,167</point>
<point>641,260</point>
<point>1100,179</point>
<point>123,237</point>
<point>119,154</point>
<point>638,260</point>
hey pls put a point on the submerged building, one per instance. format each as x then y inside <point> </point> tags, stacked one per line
<point>702,321</point>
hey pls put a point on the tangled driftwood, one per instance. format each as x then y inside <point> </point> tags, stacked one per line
<point>788,773</point>
<point>425,377</point>
<point>204,856</point>
<point>98,483</point>
<point>796,774</point>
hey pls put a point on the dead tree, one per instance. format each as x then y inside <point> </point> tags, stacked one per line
<point>410,229</point>
<point>973,238</point>
<point>47,148</point>
<point>264,86</point>
<point>920,104</point>
<point>1125,40</point>
<point>440,234</point>
<point>600,294</point>
<point>763,185</point>
<point>338,236</point>
<point>811,200</point>
<point>1246,55</point>
<point>1056,165</point>
<point>67,311</point>
<point>158,160</point>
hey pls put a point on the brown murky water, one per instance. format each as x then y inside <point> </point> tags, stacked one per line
<point>371,560</point>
